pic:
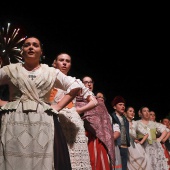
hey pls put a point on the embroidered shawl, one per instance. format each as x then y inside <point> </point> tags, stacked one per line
<point>98,122</point>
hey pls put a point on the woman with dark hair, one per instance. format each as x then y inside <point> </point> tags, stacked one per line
<point>137,158</point>
<point>31,136</point>
<point>153,148</point>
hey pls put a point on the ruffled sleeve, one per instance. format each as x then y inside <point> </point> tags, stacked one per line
<point>66,83</point>
<point>160,127</point>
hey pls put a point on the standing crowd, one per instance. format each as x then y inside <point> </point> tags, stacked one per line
<point>50,120</point>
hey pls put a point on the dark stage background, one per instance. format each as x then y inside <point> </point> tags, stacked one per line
<point>125,50</point>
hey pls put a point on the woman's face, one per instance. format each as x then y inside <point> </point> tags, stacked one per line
<point>145,113</point>
<point>63,63</point>
<point>31,50</point>
<point>100,96</point>
<point>166,122</point>
<point>130,113</point>
<point>88,82</point>
<point>152,115</point>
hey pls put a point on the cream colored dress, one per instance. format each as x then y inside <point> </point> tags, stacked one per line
<point>27,128</point>
<point>154,150</point>
<point>73,128</point>
<point>137,157</point>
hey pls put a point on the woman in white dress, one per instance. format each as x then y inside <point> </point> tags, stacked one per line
<point>71,122</point>
<point>153,118</point>
<point>30,133</point>
<point>137,159</point>
<point>152,146</point>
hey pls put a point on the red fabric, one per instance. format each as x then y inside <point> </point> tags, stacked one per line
<point>166,154</point>
<point>98,153</point>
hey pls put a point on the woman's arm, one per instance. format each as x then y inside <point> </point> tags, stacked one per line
<point>116,135</point>
<point>66,99</point>
<point>166,137</point>
<point>116,130</point>
<point>163,134</point>
<point>144,139</point>
<point>92,102</point>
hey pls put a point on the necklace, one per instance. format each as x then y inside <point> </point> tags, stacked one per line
<point>31,72</point>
